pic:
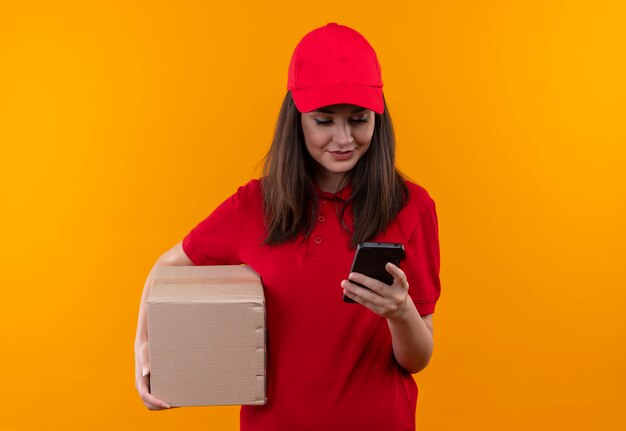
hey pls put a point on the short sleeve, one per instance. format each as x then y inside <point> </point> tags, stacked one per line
<point>215,240</point>
<point>421,265</point>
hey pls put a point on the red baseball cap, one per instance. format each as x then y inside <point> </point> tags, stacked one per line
<point>335,64</point>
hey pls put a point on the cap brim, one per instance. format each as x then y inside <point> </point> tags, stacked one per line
<point>309,99</point>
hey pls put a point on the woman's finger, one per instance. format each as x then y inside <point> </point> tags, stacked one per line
<point>366,296</point>
<point>356,298</point>
<point>372,284</point>
<point>152,402</point>
<point>399,276</point>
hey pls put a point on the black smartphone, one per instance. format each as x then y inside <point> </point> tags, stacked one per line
<point>370,259</point>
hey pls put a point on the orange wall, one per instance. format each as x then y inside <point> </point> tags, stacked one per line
<point>123,124</point>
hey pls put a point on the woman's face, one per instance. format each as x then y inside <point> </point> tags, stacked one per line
<point>336,137</point>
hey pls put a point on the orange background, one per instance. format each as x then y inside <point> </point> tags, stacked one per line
<point>123,124</point>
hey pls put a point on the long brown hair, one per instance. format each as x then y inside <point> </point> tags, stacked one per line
<point>289,204</point>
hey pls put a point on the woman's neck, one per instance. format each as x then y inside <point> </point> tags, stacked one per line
<point>329,181</point>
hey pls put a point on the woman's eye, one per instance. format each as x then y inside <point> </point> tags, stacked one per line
<point>353,120</point>
<point>322,122</point>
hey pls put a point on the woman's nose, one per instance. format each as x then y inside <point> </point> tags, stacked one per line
<point>343,135</point>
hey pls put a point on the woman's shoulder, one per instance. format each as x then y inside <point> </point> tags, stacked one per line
<point>419,199</point>
<point>250,194</point>
<point>251,188</point>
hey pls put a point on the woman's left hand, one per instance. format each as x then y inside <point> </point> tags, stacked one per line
<point>383,299</point>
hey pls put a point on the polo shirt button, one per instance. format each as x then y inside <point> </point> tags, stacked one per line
<point>318,240</point>
<point>322,219</point>
<point>324,202</point>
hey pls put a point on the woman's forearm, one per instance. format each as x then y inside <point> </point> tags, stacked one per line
<point>142,320</point>
<point>412,340</point>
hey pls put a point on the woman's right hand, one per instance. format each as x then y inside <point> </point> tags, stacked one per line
<point>142,378</point>
<point>174,257</point>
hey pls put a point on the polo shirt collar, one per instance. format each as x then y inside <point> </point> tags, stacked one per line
<point>341,195</point>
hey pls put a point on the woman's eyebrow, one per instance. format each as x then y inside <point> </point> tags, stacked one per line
<point>330,111</point>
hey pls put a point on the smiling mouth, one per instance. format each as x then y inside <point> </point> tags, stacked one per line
<point>342,155</point>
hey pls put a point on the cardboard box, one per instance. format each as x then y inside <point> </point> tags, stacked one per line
<point>206,330</point>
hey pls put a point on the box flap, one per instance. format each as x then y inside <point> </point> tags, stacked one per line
<point>175,274</point>
<point>215,284</point>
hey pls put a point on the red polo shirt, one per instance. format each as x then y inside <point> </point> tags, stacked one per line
<point>330,365</point>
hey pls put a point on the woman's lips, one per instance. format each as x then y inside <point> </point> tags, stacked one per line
<point>341,155</point>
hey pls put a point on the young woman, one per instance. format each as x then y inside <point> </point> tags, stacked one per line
<point>329,183</point>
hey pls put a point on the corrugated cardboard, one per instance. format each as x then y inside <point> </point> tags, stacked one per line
<point>206,332</point>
